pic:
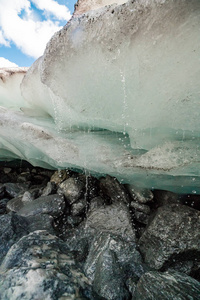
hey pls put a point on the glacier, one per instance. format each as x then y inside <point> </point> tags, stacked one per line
<point>116,92</point>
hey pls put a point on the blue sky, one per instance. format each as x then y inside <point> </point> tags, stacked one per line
<point>27,25</point>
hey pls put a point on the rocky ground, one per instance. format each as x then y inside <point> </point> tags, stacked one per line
<point>67,235</point>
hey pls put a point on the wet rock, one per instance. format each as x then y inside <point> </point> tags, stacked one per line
<point>114,218</point>
<point>166,286</point>
<point>7,170</point>
<point>172,235</point>
<point>91,185</point>
<point>141,217</point>
<point>53,205</point>
<point>166,197</point>
<point>15,204</point>
<point>131,285</point>
<point>59,176</point>
<point>78,207</point>
<point>15,189</point>
<point>27,197</point>
<point>12,227</point>
<point>185,267</point>
<point>49,189</point>
<point>39,267</point>
<point>96,203</point>
<point>107,282</point>
<point>24,177</point>
<point>35,191</point>
<point>140,207</point>
<point>2,190</point>
<point>72,189</point>
<point>46,173</point>
<point>3,204</point>
<point>111,261</point>
<point>140,195</point>
<point>141,212</point>
<point>111,188</point>
<point>40,180</point>
<point>40,222</point>
<point>74,220</point>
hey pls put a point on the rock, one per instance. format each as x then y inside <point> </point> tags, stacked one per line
<point>15,189</point>
<point>39,179</point>
<point>24,177</point>
<point>140,195</point>
<point>1,191</point>
<point>72,189</point>
<point>78,207</point>
<point>111,261</point>
<point>12,227</point>
<point>114,218</point>
<point>91,185</point>
<point>15,204</point>
<point>111,219</point>
<point>53,205</point>
<point>185,267</point>
<point>3,204</point>
<point>111,188</point>
<point>172,235</point>
<point>96,203</point>
<point>7,170</point>
<point>27,197</point>
<point>83,6</point>
<point>140,207</point>
<point>49,189</point>
<point>166,286</point>
<point>74,220</point>
<point>140,212</point>
<point>35,191</point>
<point>166,197</point>
<point>39,267</point>
<point>141,217</point>
<point>40,222</point>
<point>59,176</point>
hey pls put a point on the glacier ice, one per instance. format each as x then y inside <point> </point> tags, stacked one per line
<point>116,92</point>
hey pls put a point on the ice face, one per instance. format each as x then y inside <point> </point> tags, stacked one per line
<point>10,93</point>
<point>116,92</point>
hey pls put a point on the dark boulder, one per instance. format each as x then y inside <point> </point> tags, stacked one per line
<point>112,189</point>
<point>39,267</point>
<point>111,219</point>
<point>72,189</point>
<point>166,286</point>
<point>173,235</point>
<point>15,189</point>
<point>140,195</point>
<point>12,228</point>
<point>110,262</point>
<point>52,205</point>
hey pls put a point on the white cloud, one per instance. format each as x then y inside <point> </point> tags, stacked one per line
<point>3,41</point>
<point>27,33</point>
<point>5,63</point>
<point>52,7</point>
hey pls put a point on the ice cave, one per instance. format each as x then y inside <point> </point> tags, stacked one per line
<point>116,94</point>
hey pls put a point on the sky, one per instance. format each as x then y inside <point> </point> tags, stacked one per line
<point>27,25</point>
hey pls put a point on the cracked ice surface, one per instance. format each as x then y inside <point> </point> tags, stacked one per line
<point>116,92</point>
